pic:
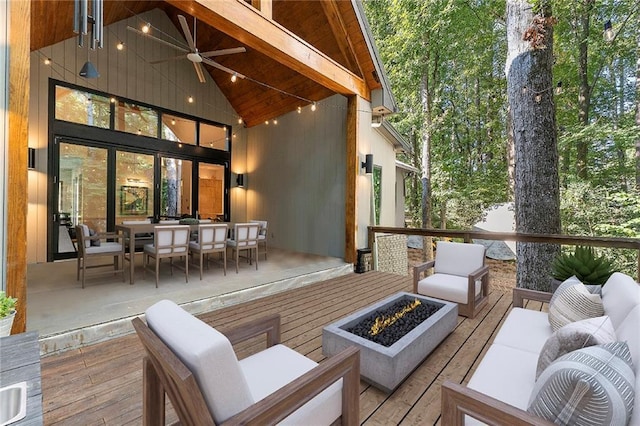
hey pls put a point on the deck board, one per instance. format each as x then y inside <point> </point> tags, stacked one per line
<point>102,383</point>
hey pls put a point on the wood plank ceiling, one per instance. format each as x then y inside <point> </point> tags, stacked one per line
<point>330,26</point>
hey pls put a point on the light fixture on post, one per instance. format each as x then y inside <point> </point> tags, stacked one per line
<point>367,164</point>
<point>376,120</point>
<point>240,180</point>
<point>608,31</point>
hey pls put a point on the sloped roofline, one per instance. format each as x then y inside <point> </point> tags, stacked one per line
<point>373,51</point>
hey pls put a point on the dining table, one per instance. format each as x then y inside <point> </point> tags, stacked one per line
<point>131,230</point>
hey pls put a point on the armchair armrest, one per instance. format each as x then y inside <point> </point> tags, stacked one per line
<point>269,324</point>
<point>419,269</point>
<point>286,400</point>
<point>459,400</point>
<point>520,294</point>
<point>479,273</point>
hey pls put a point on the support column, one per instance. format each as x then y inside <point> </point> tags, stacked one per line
<point>15,18</point>
<point>351,217</point>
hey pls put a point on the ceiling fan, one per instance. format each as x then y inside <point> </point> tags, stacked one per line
<point>192,53</point>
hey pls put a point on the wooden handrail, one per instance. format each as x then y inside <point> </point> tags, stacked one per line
<point>467,236</point>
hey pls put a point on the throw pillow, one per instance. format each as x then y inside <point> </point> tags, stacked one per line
<point>573,336</point>
<point>587,387</point>
<point>94,243</point>
<point>572,302</point>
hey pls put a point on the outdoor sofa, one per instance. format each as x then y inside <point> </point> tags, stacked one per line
<point>504,390</point>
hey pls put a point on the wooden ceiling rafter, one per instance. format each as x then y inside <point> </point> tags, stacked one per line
<point>339,30</point>
<point>247,25</point>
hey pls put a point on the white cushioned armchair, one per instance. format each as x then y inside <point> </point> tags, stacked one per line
<point>196,366</point>
<point>460,276</point>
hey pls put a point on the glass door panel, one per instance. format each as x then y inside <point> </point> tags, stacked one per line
<point>210,191</point>
<point>82,194</point>
<point>134,186</point>
<point>175,190</point>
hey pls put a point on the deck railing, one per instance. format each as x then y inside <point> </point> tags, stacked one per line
<point>467,236</point>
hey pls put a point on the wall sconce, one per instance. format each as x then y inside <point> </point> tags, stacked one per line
<point>376,120</point>
<point>240,180</point>
<point>31,158</point>
<point>367,164</point>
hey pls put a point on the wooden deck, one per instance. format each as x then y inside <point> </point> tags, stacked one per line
<point>102,383</point>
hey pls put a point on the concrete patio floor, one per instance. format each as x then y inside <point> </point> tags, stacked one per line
<point>67,316</point>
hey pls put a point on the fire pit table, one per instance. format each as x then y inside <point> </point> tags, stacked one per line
<point>386,367</point>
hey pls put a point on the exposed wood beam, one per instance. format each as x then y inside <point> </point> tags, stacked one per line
<point>18,123</point>
<point>247,25</point>
<point>339,30</point>
<point>353,166</point>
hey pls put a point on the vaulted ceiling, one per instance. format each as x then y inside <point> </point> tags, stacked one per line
<point>325,30</point>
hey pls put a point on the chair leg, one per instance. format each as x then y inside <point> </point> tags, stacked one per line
<point>237,253</point>
<point>256,248</point>
<point>225,261</point>
<point>157,270</point>
<point>186,268</point>
<point>78,269</point>
<point>84,268</point>
<point>201,258</point>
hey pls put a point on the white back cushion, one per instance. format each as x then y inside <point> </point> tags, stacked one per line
<point>620,294</point>
<point>458,258</point>
<point>207,353</point>
<point>85,232</point>
<point>629,331</point>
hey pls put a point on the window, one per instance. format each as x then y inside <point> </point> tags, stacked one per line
<point>215,137</point>
<point>377,192</point>
<point>82,107</point>
<point>137,119</point>
<point>178,129</point>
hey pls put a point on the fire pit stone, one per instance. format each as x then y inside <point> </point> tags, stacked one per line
<point>386,367</point>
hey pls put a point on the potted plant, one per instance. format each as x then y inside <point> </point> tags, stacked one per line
<point>7,313</point>
<point>589,268</point>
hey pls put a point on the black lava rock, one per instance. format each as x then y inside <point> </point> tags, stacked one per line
<point>398,329</point>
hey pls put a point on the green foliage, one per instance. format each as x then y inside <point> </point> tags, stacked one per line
<point>7,304</point>
<point>584,264</point>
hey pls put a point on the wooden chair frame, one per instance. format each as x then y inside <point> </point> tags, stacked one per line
<point>459,400</point>
<point>474,304</point>
<point>164,373</point>
<point>172,246</point>
<point>204,254</point>
<point>263,225</point>
<point>237,248</point>
<point>83,255</point>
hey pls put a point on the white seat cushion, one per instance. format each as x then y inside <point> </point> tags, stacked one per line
<point>207,353</point>
<point>271,369</point>
<point>447,287</point>
<point>505,379</point>
<point>525,329</point>
<point>106,248</point>
<point>628,331</point>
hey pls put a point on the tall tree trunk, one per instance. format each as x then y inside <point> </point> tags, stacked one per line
<point>425,98</point>
<point>511,157</point>
<point>530,94</point>
<point>584,92</point>
<point>638,110</point>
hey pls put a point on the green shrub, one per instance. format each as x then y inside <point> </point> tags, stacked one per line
<point>584,264</point>
<point>7,304</point>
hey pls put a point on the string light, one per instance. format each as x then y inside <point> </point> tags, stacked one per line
<point>173,122</point>
<point>313,106</point>
<point>239,120</point>
<point>47,61</point>
<point>190,99</point>
<point>120,45</point>
<point>146,27</point>
<point>266,122</point>
<point>234,77</point>
<point>299,109</point>
<point>113,100</point>
<point>275,121</point>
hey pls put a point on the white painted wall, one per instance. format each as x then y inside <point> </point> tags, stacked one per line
<point>125,73</point>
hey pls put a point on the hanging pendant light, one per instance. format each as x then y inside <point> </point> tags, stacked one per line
<point>89,71</point>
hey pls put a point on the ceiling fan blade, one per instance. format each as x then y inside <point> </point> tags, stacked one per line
<point>223,52</point>
<point>174,58</point>
<point>159,40</point>
<point>199,71</point>
<point>187,32</point>
<point>222,67</point>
